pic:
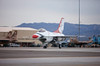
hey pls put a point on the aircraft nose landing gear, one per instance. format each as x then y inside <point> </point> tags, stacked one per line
<point>45,46</point>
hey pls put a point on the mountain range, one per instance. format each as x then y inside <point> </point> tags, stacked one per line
<point>69,28</point>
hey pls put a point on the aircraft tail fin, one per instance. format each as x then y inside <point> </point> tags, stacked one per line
<point>60,27</point>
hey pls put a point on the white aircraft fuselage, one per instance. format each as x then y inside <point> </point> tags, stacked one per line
<point>48,35</point>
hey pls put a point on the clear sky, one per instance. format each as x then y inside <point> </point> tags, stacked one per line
<point>15,12</point>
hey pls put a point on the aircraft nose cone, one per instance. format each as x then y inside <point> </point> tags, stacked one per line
<point>35,36</point>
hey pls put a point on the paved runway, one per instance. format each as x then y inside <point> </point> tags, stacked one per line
<point>54,61</point>
<point>49,57</point>
<point>53,49</point>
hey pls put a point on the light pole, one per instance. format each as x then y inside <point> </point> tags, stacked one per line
<point>79,19</point>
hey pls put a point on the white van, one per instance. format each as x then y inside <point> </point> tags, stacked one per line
<point>14,45</point>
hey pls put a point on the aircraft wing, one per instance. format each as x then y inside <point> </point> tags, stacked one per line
<point>66,36</point>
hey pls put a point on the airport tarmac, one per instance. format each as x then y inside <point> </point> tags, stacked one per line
<point>30,56</point>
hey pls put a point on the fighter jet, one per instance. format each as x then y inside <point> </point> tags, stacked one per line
<point>56,37</point>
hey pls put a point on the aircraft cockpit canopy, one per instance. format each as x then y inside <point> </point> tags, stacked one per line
<point>41,30</point>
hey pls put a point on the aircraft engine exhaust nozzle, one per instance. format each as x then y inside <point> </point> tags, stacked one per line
<point>35,36</point>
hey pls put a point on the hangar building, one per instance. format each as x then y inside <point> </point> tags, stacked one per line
<point>19,35</point>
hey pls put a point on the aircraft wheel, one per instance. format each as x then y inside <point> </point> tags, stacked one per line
<point>59,46</point>
<point>45,46</point>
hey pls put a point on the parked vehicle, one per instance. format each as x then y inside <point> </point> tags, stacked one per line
<point>14,45</point>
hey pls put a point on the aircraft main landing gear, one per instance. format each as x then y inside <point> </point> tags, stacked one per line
<point>59,46</point>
